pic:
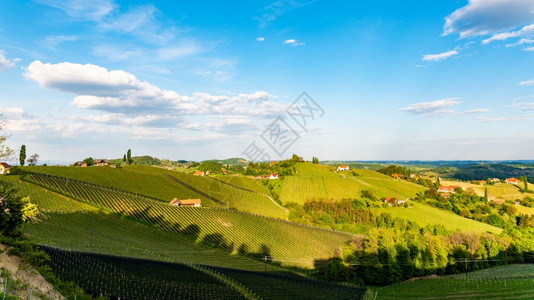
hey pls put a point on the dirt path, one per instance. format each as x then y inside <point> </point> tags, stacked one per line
<point>18,270</point>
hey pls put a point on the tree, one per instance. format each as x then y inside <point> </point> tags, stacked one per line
<point>438,183</point>
<point>14,210</point>
<point>486,194</point>
<point>129,156</point>
<point>32,161</point>
<point>315,160</point>
<point>124,158</point>
<point>89,161</point>
<point>5,151</point>
<point>22,155</point>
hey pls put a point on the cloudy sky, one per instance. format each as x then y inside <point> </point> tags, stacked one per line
<point>425,80</point>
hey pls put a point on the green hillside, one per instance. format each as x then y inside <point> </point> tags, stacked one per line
<point>505,282</point>
<point>317,182</point>
<point>69,224</point>
<point>288,243</point>
<point>425,215</point>
<point>166,185</point>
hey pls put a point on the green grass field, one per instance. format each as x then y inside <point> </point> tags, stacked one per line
<point>504,282</point>
<point>425,215</point>
<point>72,225</point>
<point>161,183</point>
<point>315,182</point>
<point>289,243</point>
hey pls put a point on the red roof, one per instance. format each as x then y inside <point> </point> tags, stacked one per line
<point>5,165</point>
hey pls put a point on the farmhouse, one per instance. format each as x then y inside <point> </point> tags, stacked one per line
<point>495,180</point>
<point>82,164</point>
<point>511,181</point>
<point>273,176</point>
<point>448,189</point>
<point>101,162</point>
<point>397,176</point>
<point>342,168</point>
<point>186,202</point>
<point>4,168</point>
<point>199,173</point>
<point>272,163</point>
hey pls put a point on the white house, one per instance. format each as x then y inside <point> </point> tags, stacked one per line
<point>273,176</point>
<point>342,168</point>
<point>4,168</point>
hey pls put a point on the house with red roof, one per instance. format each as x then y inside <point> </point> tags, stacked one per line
<point>511,181</point>
<point>342,168</point>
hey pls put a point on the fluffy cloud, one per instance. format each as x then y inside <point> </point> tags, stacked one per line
<point>527,82</point>
<point>483,17</point>
<point>260,39</point>
<point>94,9</point>
<point>439,56</point>
<point>431,108</point>
<point>473,111</point>
<point>521,42</point>
<point>118,91</point>
<point>529,29</point>
<point>293,42</point>
<point>4,62</point>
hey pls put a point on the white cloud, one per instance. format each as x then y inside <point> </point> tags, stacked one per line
<point>527,82</point>
<point>528,49</point>
<point>52,41</point>
<point>277,8</point>
<point>141,22</point>
<point>260,39</point>
<point>293,42</point>
<point>94,9</point>
<point>483,17</point>
<point>473,111</point>
<point>512,34</point>
<point>117,91</point>
<point>521,42</point>
<point>439,56</point>
<point>431,108</point>
<point>5,63</point>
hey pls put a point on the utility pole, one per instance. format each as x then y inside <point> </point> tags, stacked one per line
<point>5,288</point>
<point>265,263</point>
<point>466,268</point>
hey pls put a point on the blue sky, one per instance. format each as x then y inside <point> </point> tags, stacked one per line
<point>204,79</point>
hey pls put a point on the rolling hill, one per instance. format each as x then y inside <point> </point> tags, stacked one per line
<point>320,182</point>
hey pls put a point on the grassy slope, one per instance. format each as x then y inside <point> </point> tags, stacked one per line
<point>152,181</point>
<point>289,243</point>
<point>317,182</point>
<point>69,224</point>
<point>424,215</point>
<point>144,180</point>
<point>499,190</point>
<point>504,282</point>
<point>243,182</point>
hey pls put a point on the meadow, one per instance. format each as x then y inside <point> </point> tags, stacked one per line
<point>288,243</point>
<point>426,215</point>
<point>317,182</point>
<point>69,225</point>
<point>166,185</point>
<point>504,282</point>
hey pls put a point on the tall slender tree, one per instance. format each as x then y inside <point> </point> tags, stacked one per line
<point>22,155</point>
<point>129,156</point>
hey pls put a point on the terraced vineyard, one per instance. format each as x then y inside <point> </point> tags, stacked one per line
<point>300,189</point>
<point>83,228</point>
<point>287,243</point>
<point>506,282</point>
<point>136,278</point>
<point>425,215</point>
<point>163,184</point>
